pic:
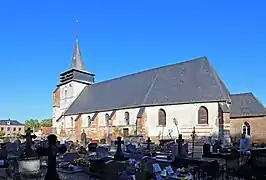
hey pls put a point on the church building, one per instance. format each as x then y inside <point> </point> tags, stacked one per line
<point>157,103</point>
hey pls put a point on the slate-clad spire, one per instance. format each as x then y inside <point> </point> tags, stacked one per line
<point>77,61</point>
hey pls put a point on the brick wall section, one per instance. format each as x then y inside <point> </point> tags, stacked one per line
<point>93,131</point>
<point>257,127</point>
<point>57,97</point>
<point>78,128</point>
<point>226,118</point>
<point>142,125</point>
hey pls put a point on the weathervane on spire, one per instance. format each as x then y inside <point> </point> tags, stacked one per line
<point>77,22</point>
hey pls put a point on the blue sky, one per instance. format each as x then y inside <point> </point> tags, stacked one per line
<point>122,37</point>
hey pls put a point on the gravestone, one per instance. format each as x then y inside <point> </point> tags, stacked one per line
<point>29,160</point>
<point>11,147</point>
<point>92,147</point>
<point>193,137</point>
<point>206,150</point>
<point>119,154</point>
<point>70,157</point>
<point>51,152</point>
<point>131,148</point>
<point>179,142</point>
<point>174,151</point>
<point>18,143</point>
<point>148,143</point>
<point>28,136</point>
<point>101,152</point>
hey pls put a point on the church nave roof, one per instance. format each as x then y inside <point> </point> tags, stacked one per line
<point>187,82</point>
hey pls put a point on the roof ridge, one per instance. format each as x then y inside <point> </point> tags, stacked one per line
<point>240,94</point>
<point>153,69</point>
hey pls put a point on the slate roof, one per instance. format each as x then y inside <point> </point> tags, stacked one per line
<point>187,82</point>
<point>77,61</point>
<point>12,123</point>
<point>246,105</point>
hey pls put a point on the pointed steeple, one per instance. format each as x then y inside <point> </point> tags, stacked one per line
<point>77,61</point>
<point>77,71</point>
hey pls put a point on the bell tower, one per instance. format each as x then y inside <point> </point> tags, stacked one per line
<point>72,82</point>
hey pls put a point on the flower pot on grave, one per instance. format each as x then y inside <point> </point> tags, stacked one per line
<point>29,164</point>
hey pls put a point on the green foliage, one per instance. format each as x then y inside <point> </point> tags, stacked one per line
<point>46,122</point>
<point>36,125</point>
<point>2,133</point>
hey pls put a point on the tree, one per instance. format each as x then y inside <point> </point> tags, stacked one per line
<point>46,123</point>
<point>32,124</point>
<point>36,125</point>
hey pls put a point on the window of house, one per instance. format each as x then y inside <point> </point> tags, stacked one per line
<point>203,115</point>
<point>8,128</point>
<point>2,128</point>
<point>107,118</point>
<point>14,129</point>
<point>89,121</point>
<point>161,117</point>
<point>72,122</point>
<point>246,129</point>
<point>127,118</point>
<point>19,129</point>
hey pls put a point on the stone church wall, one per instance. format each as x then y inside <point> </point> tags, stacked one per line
<point>187,117</point>
<point>68,93</point>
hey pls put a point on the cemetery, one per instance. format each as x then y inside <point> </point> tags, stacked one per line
<point>128,158</point>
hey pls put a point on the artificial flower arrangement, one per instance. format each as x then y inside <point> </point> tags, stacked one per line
<point>64,165</point>
<point>82,162</point>
<point>183,171</point>
<point>132,166</point>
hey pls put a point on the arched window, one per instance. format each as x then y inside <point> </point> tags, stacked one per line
<point>203,115</point>
<point>161,117</point>
<point>65,93</point>
<point>89,121</point>
<point>72,122</point>
<point>246,129</point>
<point>107,118</point>
<point>127,118</point>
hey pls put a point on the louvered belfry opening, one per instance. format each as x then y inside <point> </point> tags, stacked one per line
<point>203,115</point>
<point>162,117</point>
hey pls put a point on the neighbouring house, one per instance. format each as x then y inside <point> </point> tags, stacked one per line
<point>173,98</point>
<point>11,127</point>
<point>248,117</point>
<point>46,131</point>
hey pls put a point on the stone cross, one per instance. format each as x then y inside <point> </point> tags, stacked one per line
<point>28,138</point>
<point>119,154</point>
<point>193,136</point>
<point>148,141</point>
<point>51,152</point>
<point>179,142</point>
